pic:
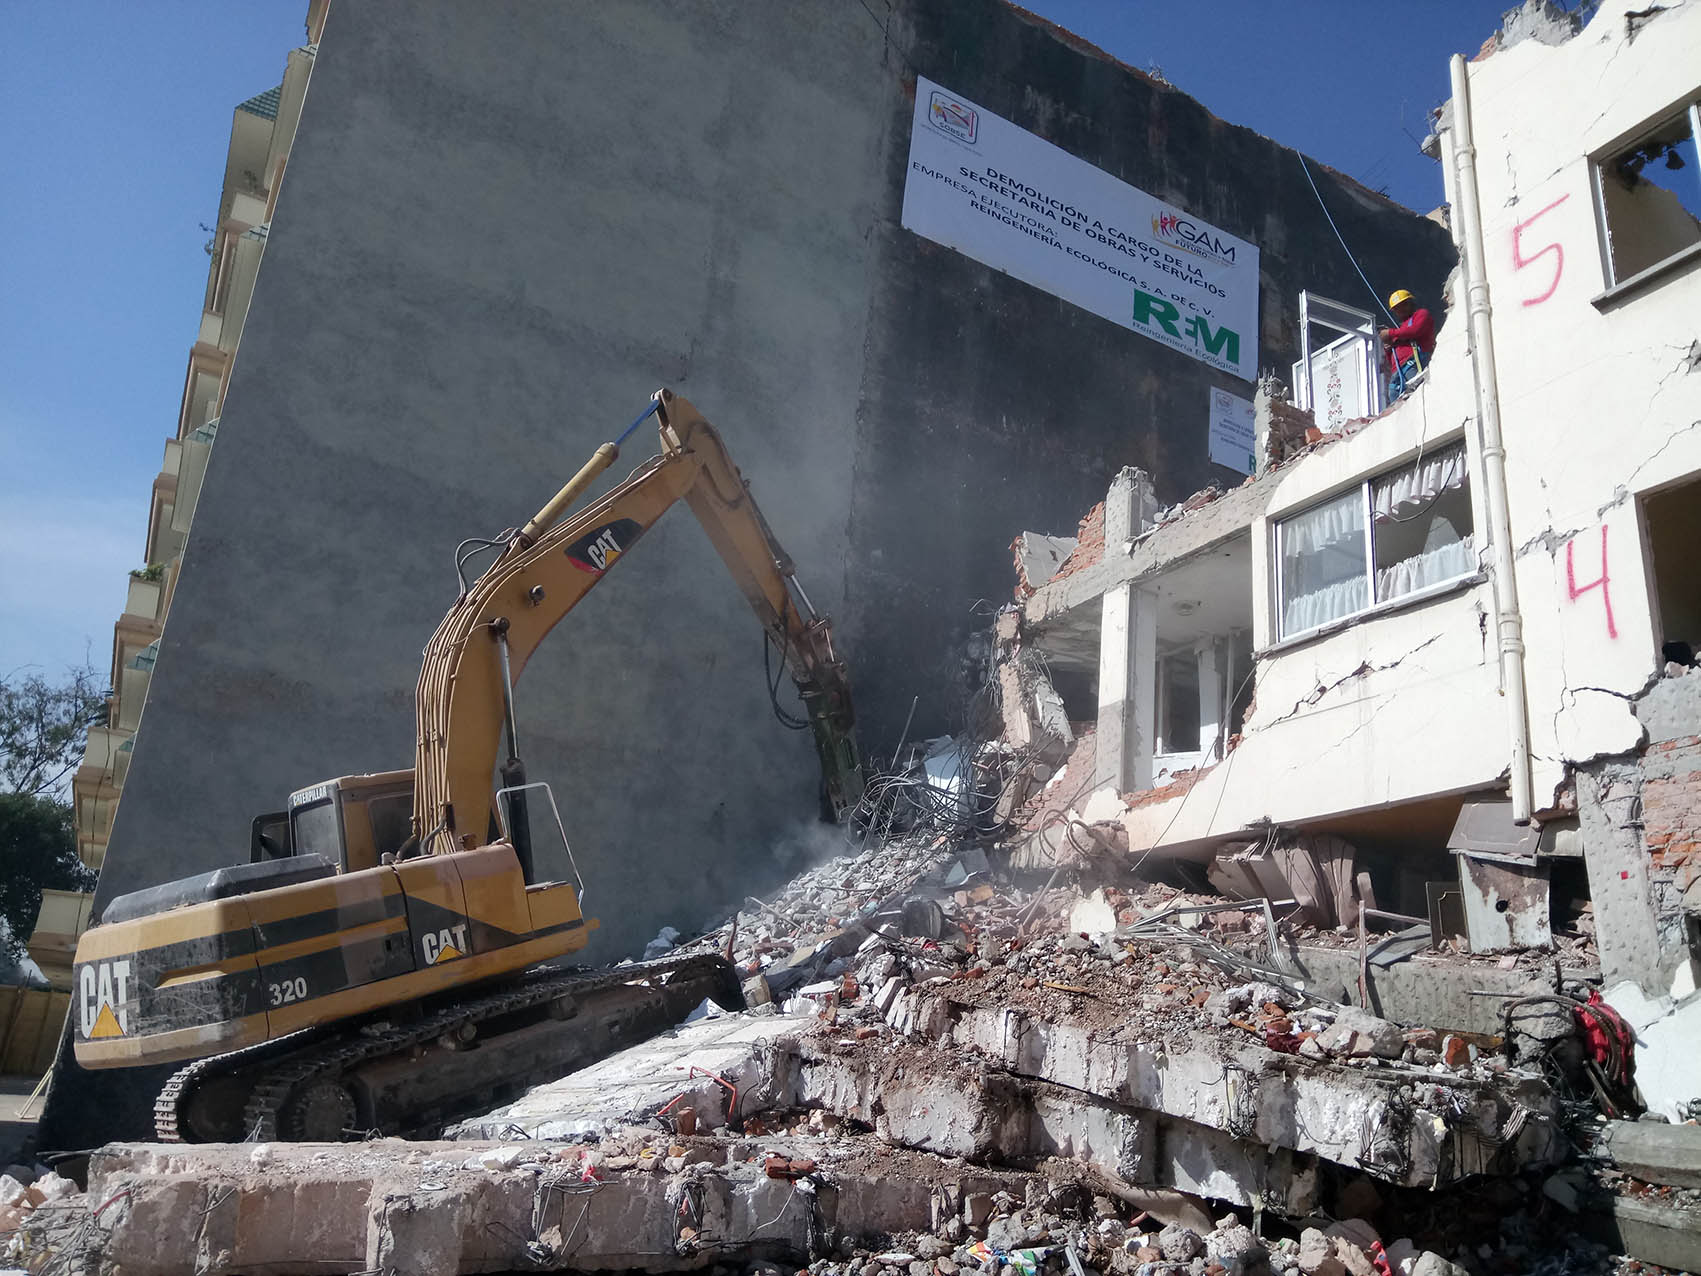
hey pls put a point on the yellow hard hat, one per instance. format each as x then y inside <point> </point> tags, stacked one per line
<point>1395,298</point>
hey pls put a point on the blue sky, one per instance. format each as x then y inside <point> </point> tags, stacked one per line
<point>117,121</point>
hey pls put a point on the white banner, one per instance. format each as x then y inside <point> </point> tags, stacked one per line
<point>1015,202</point>
<point>1232,432</point>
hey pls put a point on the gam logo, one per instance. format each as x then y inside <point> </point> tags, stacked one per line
<point>950,116</point>
<point>1190,237</point>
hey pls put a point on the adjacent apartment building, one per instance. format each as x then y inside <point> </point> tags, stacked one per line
<point>1457,637</point>
<point>261,133</point>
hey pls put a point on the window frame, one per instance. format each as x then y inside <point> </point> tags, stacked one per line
<point>1366,487</point>
<point>1615,290</point>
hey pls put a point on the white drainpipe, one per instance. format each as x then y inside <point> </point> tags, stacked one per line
<point>1508,621</point>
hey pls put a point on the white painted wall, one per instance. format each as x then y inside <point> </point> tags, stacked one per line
<point>1598,407</point>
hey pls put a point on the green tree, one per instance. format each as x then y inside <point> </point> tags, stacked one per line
<point>37,849</point>
<point>43,726</point>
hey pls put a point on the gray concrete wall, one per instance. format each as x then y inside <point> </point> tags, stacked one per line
<point>503,225</point>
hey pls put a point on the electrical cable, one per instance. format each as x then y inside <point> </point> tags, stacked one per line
<point>1306,169</point>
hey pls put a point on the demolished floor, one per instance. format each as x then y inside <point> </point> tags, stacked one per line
<point>942,1072</point>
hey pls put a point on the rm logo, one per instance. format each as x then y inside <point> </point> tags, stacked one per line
<point>103,991</point>
<point>444,945</point>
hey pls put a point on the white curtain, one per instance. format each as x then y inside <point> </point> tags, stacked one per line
<point>1426,568</point>
<point>1342,519</point>
<point>1323,604</point>
<point>1323,570</point>
<point>1405,492</point>
<point>1422,519</point>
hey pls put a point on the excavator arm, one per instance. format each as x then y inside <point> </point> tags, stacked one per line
<point>465,695</point>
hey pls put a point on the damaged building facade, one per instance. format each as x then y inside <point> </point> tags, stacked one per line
<point>1439,662</point>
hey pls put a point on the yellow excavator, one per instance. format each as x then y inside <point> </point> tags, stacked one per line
<point>375,967</point>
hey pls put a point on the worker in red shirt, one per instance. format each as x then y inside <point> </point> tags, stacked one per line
<point>1409,345</point>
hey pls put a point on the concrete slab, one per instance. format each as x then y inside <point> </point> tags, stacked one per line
<point>436,1209</point>
<point>638,1081</point>
<point>1421,991</point>
<point>1655,1232</point>
<point>1239,1125</point>
<point>1655,1152</point>
<point>1403,1124</point>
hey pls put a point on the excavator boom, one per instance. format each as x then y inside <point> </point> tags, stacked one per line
<point>464,698</point>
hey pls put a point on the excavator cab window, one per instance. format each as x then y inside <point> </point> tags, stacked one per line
<point>268,838</point>
<point>392,821</point>
<point>316,828</point>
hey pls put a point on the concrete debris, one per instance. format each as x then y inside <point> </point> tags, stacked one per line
<point>843,1203</point>
<point>662,944</point>
<point>23,1193</point>
<point>1038,558</point>
<point>945,1068</point>
<point>1093,915</point>
<point>1655,1151</point>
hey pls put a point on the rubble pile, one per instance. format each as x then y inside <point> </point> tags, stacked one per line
<point>804,1194</point>
<point>846,940</point>
<point>37,1200</point>
<point>949,1067</point>
<point>945,1070</point>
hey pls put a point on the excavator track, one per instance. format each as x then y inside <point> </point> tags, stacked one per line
<point>307,1065</point>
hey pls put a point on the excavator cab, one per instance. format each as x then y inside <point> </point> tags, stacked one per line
<point>352,821</point>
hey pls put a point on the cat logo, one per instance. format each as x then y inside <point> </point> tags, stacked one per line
<point>444,945</point>
<point>596,550</point>
<point>103,993</point>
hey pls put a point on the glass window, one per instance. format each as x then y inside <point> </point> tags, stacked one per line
<point>1421,519</point>
<point>1178,702</point>
<point>318,830</point>
<point>1650,195</point>
<point>1323,563</point>
<point>1420,536</point>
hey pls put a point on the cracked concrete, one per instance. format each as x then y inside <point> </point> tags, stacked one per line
<point>1317,696</point>
<point>435,1209</point>
<point>1019,1085</point>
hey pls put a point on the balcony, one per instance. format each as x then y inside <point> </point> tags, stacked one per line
<point>121,762</point>
<point>247,208</point>
<point>197,449</point>
<point>143,599</point>
<point>95,788</point>
<point>212,327</point>
<point>165,542</point>
<point>202,385</point>
<point>64,916</point>
<point>94,812</point>
<point>244,270</point>
<point>133,681</point>
<point>101,752</point>
<point>130,636</point>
